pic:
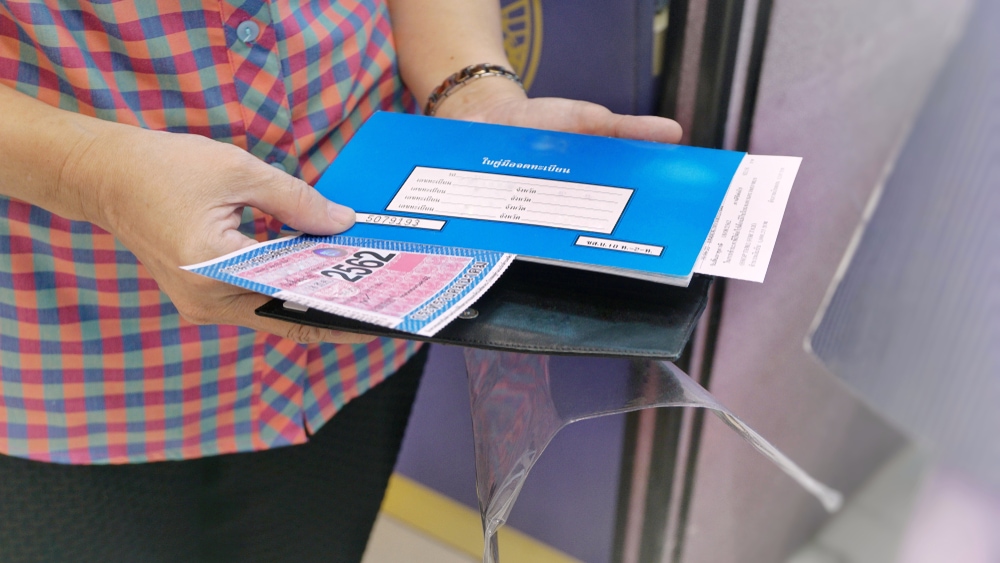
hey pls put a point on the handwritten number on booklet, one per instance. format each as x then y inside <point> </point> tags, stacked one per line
<point>359,265</point>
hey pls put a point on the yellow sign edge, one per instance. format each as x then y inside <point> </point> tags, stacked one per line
<point>458,526</point>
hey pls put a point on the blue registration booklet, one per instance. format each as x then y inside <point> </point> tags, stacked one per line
<point>647,210</point>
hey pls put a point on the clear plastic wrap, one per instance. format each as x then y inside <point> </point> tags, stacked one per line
<point>517,408</point>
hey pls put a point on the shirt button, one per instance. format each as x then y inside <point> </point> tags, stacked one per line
<point>279,166</point>
<point>248,31</point>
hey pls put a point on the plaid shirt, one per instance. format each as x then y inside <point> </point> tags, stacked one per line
<point>96,366</point>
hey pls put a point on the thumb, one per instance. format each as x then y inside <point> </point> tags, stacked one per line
<point>297,204</point>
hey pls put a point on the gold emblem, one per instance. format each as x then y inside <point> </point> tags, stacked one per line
<point>522,37</point>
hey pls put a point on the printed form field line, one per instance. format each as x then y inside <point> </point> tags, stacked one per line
<point>553,203</point>
<point>559,194</point>
<point>542,185</point>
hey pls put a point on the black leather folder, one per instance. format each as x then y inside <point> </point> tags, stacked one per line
<point>547,309</point>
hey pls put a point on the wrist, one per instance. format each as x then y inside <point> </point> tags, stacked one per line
<point>95,165</point>
<point>463,78</point>
<point>41,145</point>
<point>475,100</point>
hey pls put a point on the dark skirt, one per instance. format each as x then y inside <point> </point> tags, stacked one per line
<point>313,502</point>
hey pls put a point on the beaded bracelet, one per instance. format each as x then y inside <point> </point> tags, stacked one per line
<point>463,77</point>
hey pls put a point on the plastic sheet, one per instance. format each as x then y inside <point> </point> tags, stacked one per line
<point>517,408</point>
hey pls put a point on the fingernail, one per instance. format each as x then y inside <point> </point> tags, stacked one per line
<point>341,214</point>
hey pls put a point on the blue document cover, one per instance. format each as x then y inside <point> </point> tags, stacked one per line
<point>636,208</point>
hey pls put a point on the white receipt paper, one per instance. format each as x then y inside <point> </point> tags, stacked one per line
<point>742,238</point>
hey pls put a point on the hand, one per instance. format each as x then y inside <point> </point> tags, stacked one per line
<point>499,100</point>
<point>176,200</point>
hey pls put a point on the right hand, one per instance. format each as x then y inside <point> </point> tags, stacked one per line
<point>175,200</point>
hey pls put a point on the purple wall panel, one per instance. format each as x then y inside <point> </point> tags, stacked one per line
<point>595,50</point>
<point>591,51</point>
<point>438,450</point>
<point>568,500</point>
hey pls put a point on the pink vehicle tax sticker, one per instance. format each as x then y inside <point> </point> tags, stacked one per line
<point>410,287</point>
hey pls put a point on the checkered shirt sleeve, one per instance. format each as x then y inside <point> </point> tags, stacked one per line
<point>96,366</point>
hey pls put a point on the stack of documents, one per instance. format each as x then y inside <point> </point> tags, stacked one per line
<point>444,206</point>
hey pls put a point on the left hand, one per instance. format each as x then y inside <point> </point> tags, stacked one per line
<point>496,99</point>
